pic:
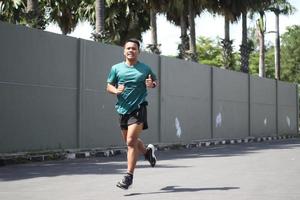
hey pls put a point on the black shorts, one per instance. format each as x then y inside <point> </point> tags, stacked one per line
<point>138,116</point>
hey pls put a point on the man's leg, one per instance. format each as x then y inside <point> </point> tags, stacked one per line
<point>135,146</point>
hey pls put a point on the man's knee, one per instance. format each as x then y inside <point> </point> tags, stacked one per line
<point>131,142</point>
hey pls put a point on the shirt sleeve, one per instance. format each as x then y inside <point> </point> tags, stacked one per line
<point>153,75</point>
<point>112,76</point>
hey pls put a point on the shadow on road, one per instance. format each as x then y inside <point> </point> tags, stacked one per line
<point>172,189</point>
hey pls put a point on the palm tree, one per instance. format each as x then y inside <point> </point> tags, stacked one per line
<point>154,6</point>
<point>64,13</point>
<point>12,11</point>
<point>182,13</point>
<point>247,46</point>
<point>99,35</point>
<point>191,19</point>
<point>176,13</point>
<point>261,8</point>
<point>261,29</point>
<point>285,8</point>
<point>33,13</point>
<point>231,10</point>
<point>126,19</point>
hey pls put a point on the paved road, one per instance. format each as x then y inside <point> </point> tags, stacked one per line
<point>256,171</point>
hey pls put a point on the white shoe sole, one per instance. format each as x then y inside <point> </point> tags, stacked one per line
<point>152,147</point>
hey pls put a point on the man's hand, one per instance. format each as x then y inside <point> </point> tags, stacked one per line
<point>120,89</point>
<point>149,82</point>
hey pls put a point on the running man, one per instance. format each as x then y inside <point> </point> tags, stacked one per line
<point>129,81</point>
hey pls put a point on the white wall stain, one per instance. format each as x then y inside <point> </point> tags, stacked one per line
<point>265,121</point>
<point>178,128</point>
<point>219,120</point>
<point>288,121</point>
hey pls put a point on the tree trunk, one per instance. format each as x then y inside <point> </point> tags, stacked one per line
<point>227,45</point>
<point>192,41</point>
<point>33,18</point>
<point>245,49</point>
<point>32,6</point>
<point>277,49</point>
<point>153,27</point>
<point>183,28</point>
<point>184,46</point>
<point>261,36</point>
<point>262,55</point>
<point>99,10</point>
<point>226,28</point>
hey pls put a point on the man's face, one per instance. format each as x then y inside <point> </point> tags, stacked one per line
<point>131,51</point>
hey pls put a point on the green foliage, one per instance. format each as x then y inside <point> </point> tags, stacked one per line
<point>126,19</point>
<point>64,13</point>
<point>11,11</point>
<point>269,62</point>
<point>123,19</point>
<point>290,54</point>
<point>209,52</point>
<point>15,12</point>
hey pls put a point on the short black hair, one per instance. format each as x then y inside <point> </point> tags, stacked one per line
<point>134,40</point>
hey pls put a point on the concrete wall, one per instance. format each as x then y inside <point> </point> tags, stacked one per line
<point>230,99</point>
<point>287,108</point>
<point>52,96</point>
<point>263,106</point>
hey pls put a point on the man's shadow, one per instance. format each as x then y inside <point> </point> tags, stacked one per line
<point>171,189</point>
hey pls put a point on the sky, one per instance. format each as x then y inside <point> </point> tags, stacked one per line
<point>206,25</point>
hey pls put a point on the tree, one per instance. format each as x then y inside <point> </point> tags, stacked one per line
<point>269,62</point>
<point>191,20</point>
<point>209,52</point>
<point>154,6</point>
<point>278,8</point>
<point>261,29</point>
<point>231,10</point>
<point>11,11</point>
<point>35,14</point>
<point>126,19</point>
<point>176,12</point>
<point>64,13</point>
<point>291,54</point>
<point>31,13</point>
<point>182,13</point>
<point>99,35</point>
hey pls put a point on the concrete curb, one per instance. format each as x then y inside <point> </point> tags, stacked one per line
<point>25,157</point>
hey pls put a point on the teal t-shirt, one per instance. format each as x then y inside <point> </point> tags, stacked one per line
<point>133,78</point>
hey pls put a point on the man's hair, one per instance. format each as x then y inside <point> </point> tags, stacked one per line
<point>136,41</point>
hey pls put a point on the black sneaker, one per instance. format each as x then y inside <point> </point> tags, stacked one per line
<point>125,182</point>
<point>150,156</point>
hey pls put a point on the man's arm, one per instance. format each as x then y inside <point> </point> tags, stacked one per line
<point>115,90</point>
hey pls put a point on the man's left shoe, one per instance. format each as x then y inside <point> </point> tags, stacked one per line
<point>125,182</point>
<point>150,156</point>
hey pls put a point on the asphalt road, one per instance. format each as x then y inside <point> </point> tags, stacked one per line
<point>268,170</point>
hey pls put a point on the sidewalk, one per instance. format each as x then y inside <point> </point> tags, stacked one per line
<point>267,170</point>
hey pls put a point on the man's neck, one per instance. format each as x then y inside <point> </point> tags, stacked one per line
<point>131,62</point>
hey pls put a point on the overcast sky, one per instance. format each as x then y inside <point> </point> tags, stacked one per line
<point>206,25</point>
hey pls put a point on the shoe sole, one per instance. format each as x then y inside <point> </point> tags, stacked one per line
<point>151,146</point>
<point>124,188</point>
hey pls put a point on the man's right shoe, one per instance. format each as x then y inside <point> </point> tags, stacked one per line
<point>150,156</point>
<point>125,182</point>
